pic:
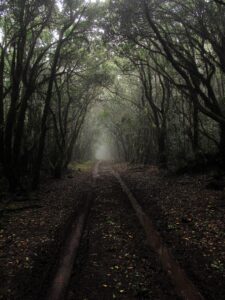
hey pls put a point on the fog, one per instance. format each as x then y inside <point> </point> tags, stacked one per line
<point>103,152</point>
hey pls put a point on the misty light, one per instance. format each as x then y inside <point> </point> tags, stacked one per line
<point>103,152</point>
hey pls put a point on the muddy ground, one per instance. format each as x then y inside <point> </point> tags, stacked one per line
<point>188,211</point>
<point>114,260</point>
<point>31,234</point>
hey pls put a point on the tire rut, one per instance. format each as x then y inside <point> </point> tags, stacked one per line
<point>117,262</point>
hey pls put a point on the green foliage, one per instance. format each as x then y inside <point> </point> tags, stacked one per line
<point>146,77</point>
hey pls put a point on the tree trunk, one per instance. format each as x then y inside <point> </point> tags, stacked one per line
<point>222,144</point>
<point>20,126</point>
<point>195,142</point>
<point>59,168</point>
<point>16,73</point>
<point>2,106</point>
<point>41,145</point>
<point>162,155</point>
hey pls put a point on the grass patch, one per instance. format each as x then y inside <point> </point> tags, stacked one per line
<point>85,166</point>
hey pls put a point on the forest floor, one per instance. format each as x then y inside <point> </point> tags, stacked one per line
<point>115,261</point>
<point>188,211</point>
<point>32,230</point>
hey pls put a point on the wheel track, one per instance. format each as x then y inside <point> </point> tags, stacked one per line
<point>118,263</point>
<point>92,282</point>
<point>185,288</point>
<point>59,287</point>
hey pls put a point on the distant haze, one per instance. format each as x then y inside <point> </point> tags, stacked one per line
<point>103,152</point>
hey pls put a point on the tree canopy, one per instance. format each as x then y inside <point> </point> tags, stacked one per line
<point>144,77</point>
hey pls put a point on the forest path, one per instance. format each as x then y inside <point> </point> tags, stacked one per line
<point>115,261</point>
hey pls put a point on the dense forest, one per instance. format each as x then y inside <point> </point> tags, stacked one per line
<point>126,81</point>
<point>150,74</point>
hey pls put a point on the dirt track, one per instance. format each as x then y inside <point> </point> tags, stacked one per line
<point>115,261</point>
